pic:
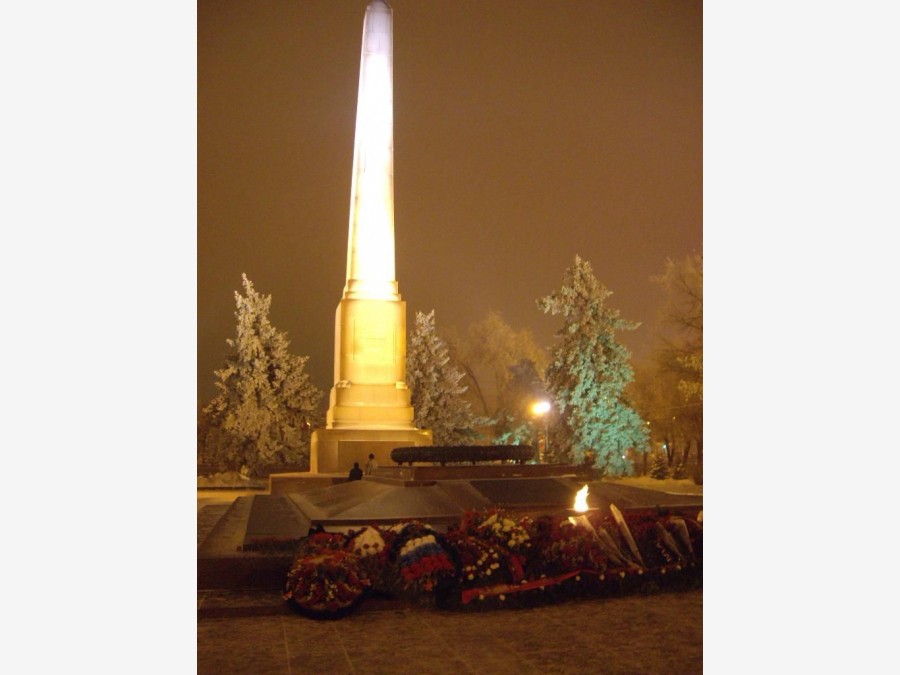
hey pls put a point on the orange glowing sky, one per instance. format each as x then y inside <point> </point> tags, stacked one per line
<point>525,131</point>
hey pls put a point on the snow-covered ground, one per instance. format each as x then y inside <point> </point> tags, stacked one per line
<point>230,479</point>
<point>685,486</point>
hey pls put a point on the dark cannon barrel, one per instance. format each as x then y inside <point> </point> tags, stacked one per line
<point>450,454</point>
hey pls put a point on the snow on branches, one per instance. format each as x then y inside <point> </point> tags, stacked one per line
<point>434,382</point>
<point>267,402</point>
<point>589,372</point>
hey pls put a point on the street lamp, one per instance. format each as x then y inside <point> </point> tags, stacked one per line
<point>542,409</point>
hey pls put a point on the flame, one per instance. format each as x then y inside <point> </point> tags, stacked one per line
<point>581,500</point>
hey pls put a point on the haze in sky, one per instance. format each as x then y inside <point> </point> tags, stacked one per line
<point>525,132</point>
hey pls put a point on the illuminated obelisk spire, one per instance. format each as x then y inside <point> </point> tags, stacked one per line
<point>369,408</point>
<point>370,249</point>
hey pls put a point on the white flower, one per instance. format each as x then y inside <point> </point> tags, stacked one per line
<point>368,542</point>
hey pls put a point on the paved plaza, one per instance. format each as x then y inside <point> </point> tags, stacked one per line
<point>661,633</point>
<point>255,631</point>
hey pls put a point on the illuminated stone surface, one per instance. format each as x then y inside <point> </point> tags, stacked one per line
<point>382,500</point>
<point>370,250</point>
<point>369,407</point>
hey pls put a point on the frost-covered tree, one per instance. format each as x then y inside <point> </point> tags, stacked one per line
<point>588,373</point>
<point>434,383</point>
<point>266,403</point>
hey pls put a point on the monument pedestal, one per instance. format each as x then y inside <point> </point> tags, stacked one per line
<point>370,409</point>
<point>335,450</point>
<point>370,389</point>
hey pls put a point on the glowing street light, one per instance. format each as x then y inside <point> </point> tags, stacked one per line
<point>542,409</point>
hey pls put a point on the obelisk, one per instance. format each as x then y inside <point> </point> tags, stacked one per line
<point>369,407</point>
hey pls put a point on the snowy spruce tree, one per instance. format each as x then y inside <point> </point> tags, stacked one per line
<point>434,382</point>
<point>267,404</point>
<point>588,373</point>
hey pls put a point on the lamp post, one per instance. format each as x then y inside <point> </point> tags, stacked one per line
<point>542,409</point>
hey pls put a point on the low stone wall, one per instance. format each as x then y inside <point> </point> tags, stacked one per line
<point>301,481</point>
<point>464,471</point>
<point>211,469</point>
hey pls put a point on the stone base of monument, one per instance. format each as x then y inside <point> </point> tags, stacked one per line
<point>425,472</point>
<point>335,450</point>
<point>250,546</point>
<point>302,481</point>
<point>410,476</point>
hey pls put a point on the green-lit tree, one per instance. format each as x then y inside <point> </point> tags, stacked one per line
<point>588,373</point>
<point>266,403</point>
<point>435,385</point>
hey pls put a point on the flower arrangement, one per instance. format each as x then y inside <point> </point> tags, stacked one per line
<point>322,541</point>
<point>373,552</point>
<point>477,559</point>
<point>494,556</point>
<point>423,562</point>
<point>490,547</point>
<point>665,540</point>
<point>419,561</point>
<point>561,547</point>
<point>504,529</point>
<point>368,542</point>
<point>325,582</point>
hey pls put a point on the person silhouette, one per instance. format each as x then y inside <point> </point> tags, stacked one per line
<point>355,473</point>
<point>371,465</point>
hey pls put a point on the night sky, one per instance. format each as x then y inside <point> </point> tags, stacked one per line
<point>525,133</point>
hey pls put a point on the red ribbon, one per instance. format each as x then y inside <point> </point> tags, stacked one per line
<point>472,593</point>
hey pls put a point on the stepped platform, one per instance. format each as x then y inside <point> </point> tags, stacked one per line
<point>410,476</point>
<point>251,546</point>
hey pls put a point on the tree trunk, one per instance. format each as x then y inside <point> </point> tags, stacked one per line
<point>477,389</point>
<point>670,450</point>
